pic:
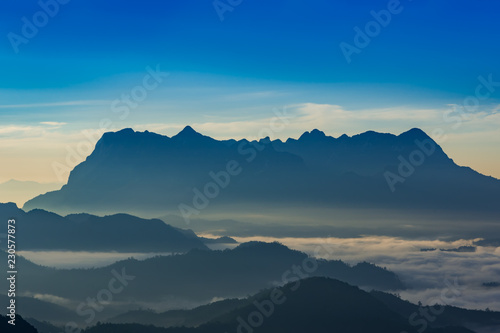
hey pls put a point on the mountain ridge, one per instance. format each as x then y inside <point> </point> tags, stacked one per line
<point>44,230</point>
<point>310,305</point>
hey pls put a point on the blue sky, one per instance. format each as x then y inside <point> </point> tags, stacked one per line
<point>227,75</point>
<point>438,45</point>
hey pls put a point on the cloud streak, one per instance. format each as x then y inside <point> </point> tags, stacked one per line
<point>53,123</point>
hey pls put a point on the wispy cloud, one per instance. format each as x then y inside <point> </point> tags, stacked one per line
<point>15,129</point>
<point>53,123</point>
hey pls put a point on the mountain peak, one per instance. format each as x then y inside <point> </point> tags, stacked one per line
<point>315,134</point>
<point>265,140</point>
<point>126,131</point>
<point>187,132</point>
<point>262,246</point>
<point>414,133</point>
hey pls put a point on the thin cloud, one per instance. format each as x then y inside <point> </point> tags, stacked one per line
<point>53,123</point>
<point>14,129</point>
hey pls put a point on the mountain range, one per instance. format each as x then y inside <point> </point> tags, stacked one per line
<point>151,174</point>
<point>197,277</point>
<point>449,316</point>
<point>315,304</point>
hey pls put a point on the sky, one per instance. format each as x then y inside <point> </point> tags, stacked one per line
<point>73,69</point>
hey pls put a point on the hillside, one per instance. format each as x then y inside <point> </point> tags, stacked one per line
<point>42,230</point>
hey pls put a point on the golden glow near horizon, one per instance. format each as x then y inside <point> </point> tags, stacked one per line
<point>48,150</point>
<point>33,159</point>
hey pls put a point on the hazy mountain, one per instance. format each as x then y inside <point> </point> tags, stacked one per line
<point>188,318</point>
<point>21,191</point>
<point>196,277</point>
<point>449,316</point>
<point>44,326</point>
<point>220,240</point>
<point>42,230</point>
<point>40,310</point>
<point>315,305</point>
<point>149,173</point>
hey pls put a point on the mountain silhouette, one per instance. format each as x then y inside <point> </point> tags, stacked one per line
<point>42,230</point>
<point>221,311</point>
<point>148,173</point>
<point>315,305</point>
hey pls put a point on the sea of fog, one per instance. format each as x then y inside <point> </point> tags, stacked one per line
<point>70,259</point>
<point>428,274</point>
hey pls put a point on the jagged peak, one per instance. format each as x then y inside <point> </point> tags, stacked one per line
<point>414,133</point>
<point>125,131</point>
<point>187,132</point>
<point>314,134</point>
<point>317,132</point>
<point>265,140</point>
<point>414,130</point>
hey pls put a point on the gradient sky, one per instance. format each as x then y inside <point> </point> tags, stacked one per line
<point>227,76</point>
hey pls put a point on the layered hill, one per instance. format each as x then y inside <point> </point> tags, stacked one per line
<point>42,230</point>
<point>313,305</point>
<point>198,276</point>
